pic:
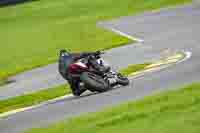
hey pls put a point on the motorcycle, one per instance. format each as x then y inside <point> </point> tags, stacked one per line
<point>96,79</point>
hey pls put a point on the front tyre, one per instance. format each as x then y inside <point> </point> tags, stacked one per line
<point>94,82</point>
<point>122,80</point>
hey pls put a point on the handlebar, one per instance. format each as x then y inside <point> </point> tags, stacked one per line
<point>96,55</point>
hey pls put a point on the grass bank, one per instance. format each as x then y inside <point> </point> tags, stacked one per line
<point>44,95</point>
<point>32,33</point>
<point>33,98</point>
<point>163,113</point>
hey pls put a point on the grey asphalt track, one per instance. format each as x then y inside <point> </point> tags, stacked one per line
<point>175,29</point>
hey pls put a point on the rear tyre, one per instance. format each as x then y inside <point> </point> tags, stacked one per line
<point>122,80</point>
<point>94,82</point>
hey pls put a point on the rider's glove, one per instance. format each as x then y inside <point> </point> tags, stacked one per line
<point>97,53</point>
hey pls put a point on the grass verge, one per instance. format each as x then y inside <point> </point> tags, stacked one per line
<point>34,32</point>
<point>44,95</point>
<point>33,99</point>
<point>168,112</point>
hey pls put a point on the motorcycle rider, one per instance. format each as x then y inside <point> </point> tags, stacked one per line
<point>65,59</point>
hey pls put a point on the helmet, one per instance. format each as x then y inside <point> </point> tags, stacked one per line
<point>64,52</point>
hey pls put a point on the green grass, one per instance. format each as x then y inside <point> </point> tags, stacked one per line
<point>33,99</point>
<point>32,33</point>
<point>44,95</point>
<point>133,68</point>
<point>169,112</point>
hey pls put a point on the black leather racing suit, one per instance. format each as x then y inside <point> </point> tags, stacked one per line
<point>64,61</point>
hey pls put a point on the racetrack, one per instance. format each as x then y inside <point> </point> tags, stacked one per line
<point>175,29</point>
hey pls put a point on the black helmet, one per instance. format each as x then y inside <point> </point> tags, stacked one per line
<point>64,52</point>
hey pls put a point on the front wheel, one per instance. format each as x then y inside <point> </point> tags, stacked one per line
<point>94,82</point>
<point>122,80</point>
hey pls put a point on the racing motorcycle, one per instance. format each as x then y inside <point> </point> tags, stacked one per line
<point>93,79</point>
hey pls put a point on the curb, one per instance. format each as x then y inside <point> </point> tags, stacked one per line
<point>175,59</point>
<point>128,36</point>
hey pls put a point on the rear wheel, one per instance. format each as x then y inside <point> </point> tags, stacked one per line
<point>94,82</point>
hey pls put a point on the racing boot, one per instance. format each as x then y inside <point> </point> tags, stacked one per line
<point>79,90</point>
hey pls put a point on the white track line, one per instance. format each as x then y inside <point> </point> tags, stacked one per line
<point>126,35</point>
<point>188,55</point>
